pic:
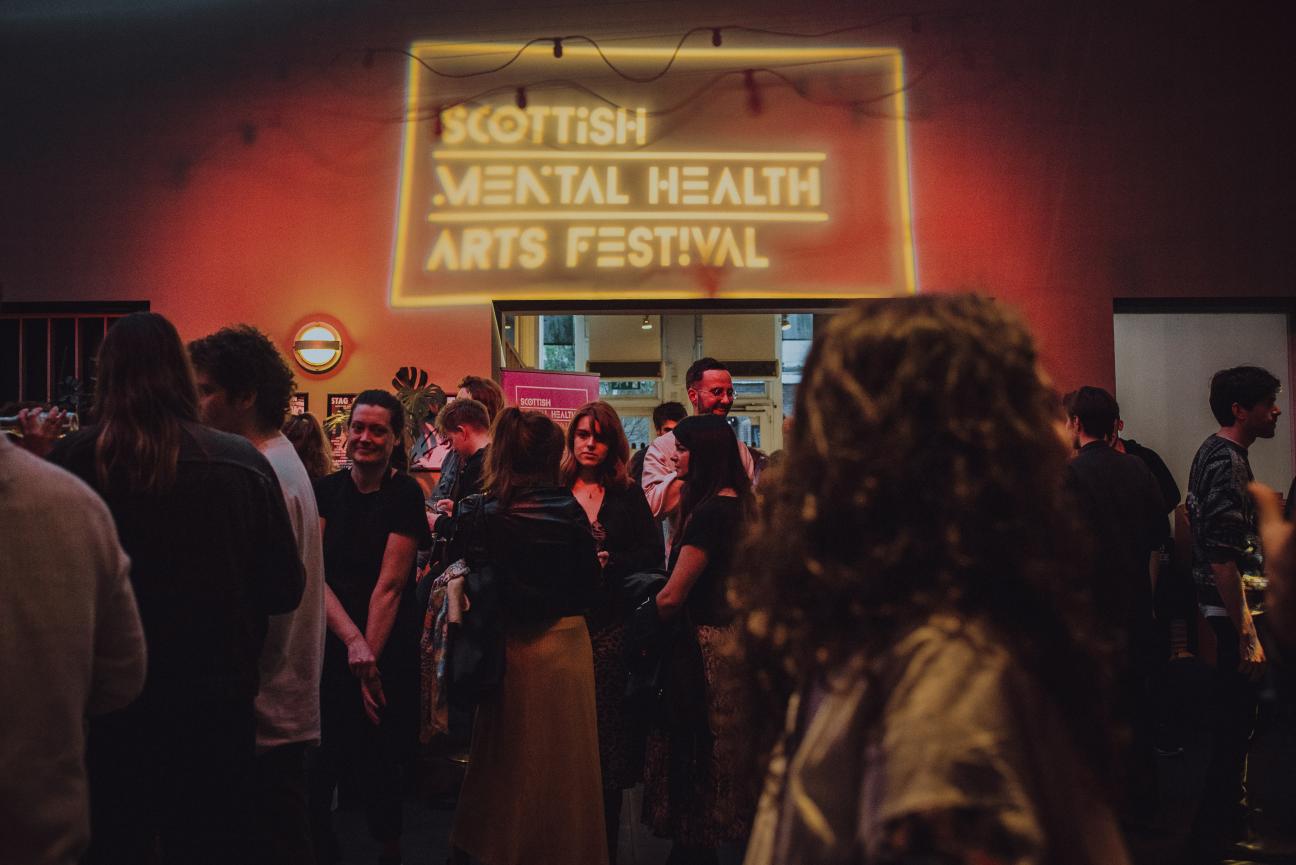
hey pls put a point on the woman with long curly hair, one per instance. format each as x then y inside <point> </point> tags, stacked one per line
<point>595,469</point>
<point>911,610</point>
<point>690,790</point>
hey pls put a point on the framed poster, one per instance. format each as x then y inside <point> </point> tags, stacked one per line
<point>339,407</point>
<point>299,403</point>
<point>556,394</point>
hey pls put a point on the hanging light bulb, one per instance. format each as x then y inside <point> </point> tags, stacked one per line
<point>647,324</point>
<point>557,49</point>
<point>786,323</point>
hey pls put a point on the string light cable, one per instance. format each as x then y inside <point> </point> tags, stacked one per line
<point>714,31</point>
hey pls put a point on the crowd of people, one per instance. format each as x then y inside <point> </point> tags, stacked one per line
<point>931,629</point>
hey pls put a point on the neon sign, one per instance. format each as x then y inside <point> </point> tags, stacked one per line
<point>565,198</point>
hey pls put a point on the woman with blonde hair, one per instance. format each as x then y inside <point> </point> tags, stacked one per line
<point>532,794</point>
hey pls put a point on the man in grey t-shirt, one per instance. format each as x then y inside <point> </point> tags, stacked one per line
<point>243,388</point>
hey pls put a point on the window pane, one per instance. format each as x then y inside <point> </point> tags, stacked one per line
<point>641,387</point>
<point>559,357</point>
<point>63,358</point>
<point>795,352</point>
<point>559,330</point>
<point>35,384</point>
<point>8,360</point>
<point>638,430</point>
<point>789,398</point>
<point>92,333</point>
<point>802,326</point>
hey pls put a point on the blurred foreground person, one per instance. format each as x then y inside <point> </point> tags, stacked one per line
<point>910,586</point>
<point>532,794</point>
<point>307,437</point>
<point>71,644</point>
<point>1279,538</point>
<point>212,557</point>
<point>243,388</point>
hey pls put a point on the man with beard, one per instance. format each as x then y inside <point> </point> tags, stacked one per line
<point>710,390</point>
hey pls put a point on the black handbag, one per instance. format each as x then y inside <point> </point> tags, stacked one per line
<point>476,663</point>
<point>648,650</point>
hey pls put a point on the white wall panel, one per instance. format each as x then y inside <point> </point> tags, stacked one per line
<point>1164,363</point>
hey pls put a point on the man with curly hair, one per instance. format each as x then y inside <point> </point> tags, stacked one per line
<point>243,388</point>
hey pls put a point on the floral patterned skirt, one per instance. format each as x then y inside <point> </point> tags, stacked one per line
<point>720,809</point>
<point>620,735</point>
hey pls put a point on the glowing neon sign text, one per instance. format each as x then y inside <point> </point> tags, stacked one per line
<point>495,209</point>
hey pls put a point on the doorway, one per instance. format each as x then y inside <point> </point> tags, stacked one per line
<point>1164,363</point>
<point>642,358</point>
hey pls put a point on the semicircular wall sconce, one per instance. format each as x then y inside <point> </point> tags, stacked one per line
<point>317,347</point>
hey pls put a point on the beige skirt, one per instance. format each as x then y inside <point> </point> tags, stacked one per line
<point>533,793</point>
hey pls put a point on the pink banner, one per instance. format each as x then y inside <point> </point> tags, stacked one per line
<point>557,394</point>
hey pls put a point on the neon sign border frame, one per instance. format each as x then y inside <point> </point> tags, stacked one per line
<point>432,49</point>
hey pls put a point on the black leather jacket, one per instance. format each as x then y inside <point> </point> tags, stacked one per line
<point>542,552</point>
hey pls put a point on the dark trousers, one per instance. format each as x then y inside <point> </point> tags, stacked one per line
<point>282,824</point>
<point>1221,817</point>
<point>170,782</point>
<point>354,749</point>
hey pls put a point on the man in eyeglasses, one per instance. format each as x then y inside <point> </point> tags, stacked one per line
<point>711,391</point>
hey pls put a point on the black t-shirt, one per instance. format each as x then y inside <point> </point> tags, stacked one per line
<point>1120,504</point>
<point>355,533</point>
<point>714,528</point>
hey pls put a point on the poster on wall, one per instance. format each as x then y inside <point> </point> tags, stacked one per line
<point>339,407</point>
<point>299,403</point>
<point>556,394</point>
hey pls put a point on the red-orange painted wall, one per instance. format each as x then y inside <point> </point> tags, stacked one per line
<point>1127,163</point>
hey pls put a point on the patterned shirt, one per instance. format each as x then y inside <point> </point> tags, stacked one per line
<point>1223,517</point>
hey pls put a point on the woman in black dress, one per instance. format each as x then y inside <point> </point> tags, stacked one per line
<point>629,540</point>
<point>691,794</point>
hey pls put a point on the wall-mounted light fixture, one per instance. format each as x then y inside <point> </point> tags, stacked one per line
<point>786,323</point>
<point>647,324</point>
<point>317,347</point>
